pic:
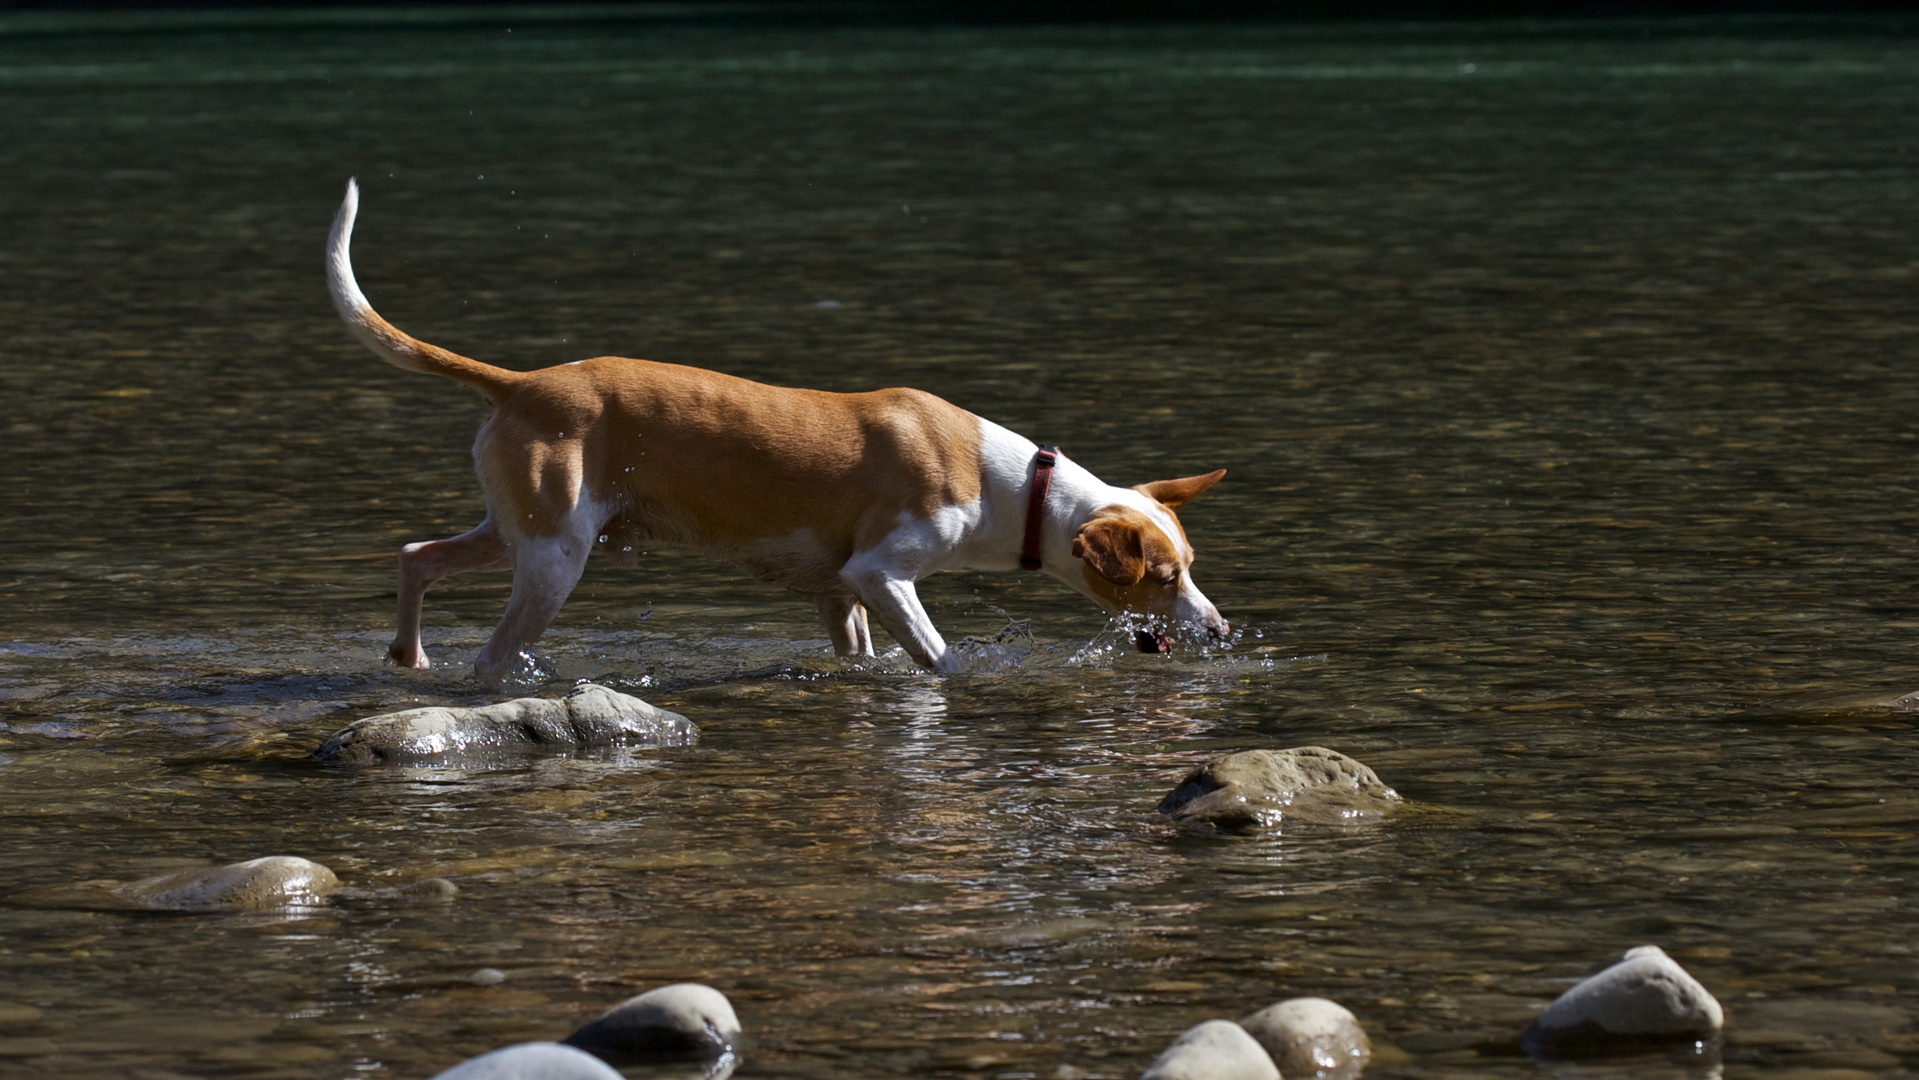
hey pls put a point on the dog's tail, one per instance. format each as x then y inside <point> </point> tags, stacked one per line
<point>394,345</point>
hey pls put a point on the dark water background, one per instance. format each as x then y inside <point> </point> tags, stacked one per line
<point>1565,372</point>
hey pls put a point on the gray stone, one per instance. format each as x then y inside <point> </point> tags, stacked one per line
<point>276,881</point>
<point>1256,788</point>
<point>1215,1050</point>
<point>684,1021</point>
<point>433,890</point>
<point>1646,1000</point>
<point>1311,1037</point>
<point>532,1061</point>
<point>589,716</point>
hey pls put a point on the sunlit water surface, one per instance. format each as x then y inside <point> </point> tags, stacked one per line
<point>1565,373</point>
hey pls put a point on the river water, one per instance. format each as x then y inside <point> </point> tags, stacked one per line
<point>1565,373</point>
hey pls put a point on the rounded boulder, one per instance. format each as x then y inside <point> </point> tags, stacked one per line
<point>276,881</point>
<point>1644,1001</point>
<point>1311,1037</point>
<point>1254,788</point>
<point>1214,1050</point>
<point>681,1022</point>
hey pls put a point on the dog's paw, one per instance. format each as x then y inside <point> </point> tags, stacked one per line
<point>407,658</point>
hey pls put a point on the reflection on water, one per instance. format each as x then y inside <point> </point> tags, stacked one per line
<point>1563,373</point>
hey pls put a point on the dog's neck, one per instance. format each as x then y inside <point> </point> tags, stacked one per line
<point>1044,461</point>
<point>1076,497</point>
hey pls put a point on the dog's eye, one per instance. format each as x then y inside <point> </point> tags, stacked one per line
<point>1168,579</point>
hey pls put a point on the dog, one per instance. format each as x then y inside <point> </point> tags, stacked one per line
<point>847,498</point>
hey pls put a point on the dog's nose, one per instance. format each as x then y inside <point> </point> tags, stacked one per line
<point>1216,625</point>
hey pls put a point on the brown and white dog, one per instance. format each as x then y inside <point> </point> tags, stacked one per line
<point>847,498</point>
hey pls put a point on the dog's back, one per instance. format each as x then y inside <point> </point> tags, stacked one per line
<point>710,461</point>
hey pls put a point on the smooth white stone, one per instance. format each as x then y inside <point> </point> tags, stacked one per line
<point>1645,996</point>
<point>532,1061</point>
<point>671,1023</point>
<point>1311,1036</point>
<point>1215,1050</point>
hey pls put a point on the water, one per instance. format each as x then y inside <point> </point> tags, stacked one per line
<point>1565,373</point>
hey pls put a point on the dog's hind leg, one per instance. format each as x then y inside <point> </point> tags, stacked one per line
<point>846,624</point>
<point>545,569</point>
<point>423,564</point>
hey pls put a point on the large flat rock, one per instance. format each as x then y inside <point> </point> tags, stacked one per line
<point>588,717</point>
<point>276,881</point>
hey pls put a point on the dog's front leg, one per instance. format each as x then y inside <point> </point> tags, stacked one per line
<point>896,604</point>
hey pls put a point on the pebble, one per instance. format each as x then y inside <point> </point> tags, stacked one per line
<point>1254,788</point>
<point>276,881</point>
<point>672,1023</point>
<point>532,1061</point>
<point>1644,1000</point>
<point>1311,1036</point>
<point>589,716</point>
<point>1215,1050</point>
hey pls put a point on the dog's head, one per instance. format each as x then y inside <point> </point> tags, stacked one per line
<point>1136,558</point>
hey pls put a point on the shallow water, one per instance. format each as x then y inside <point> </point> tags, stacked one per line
<point>1565,373</point>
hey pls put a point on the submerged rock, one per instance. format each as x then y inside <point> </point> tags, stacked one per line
<point>681,1022</point>
<point>590,716</point>
<point>1311,1037</point>
<point>1644,1001</point>
<point>1255,787</point>
<point>424,891</point>
<point>532,1061</point>
<point>433,890</point>
<point>275,881</point>
<point>1214,1050</point>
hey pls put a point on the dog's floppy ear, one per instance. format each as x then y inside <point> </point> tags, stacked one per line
<point>1115,549</point>
<point>1177,493</point>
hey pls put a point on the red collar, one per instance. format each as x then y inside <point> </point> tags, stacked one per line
<point>1036,506</point>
